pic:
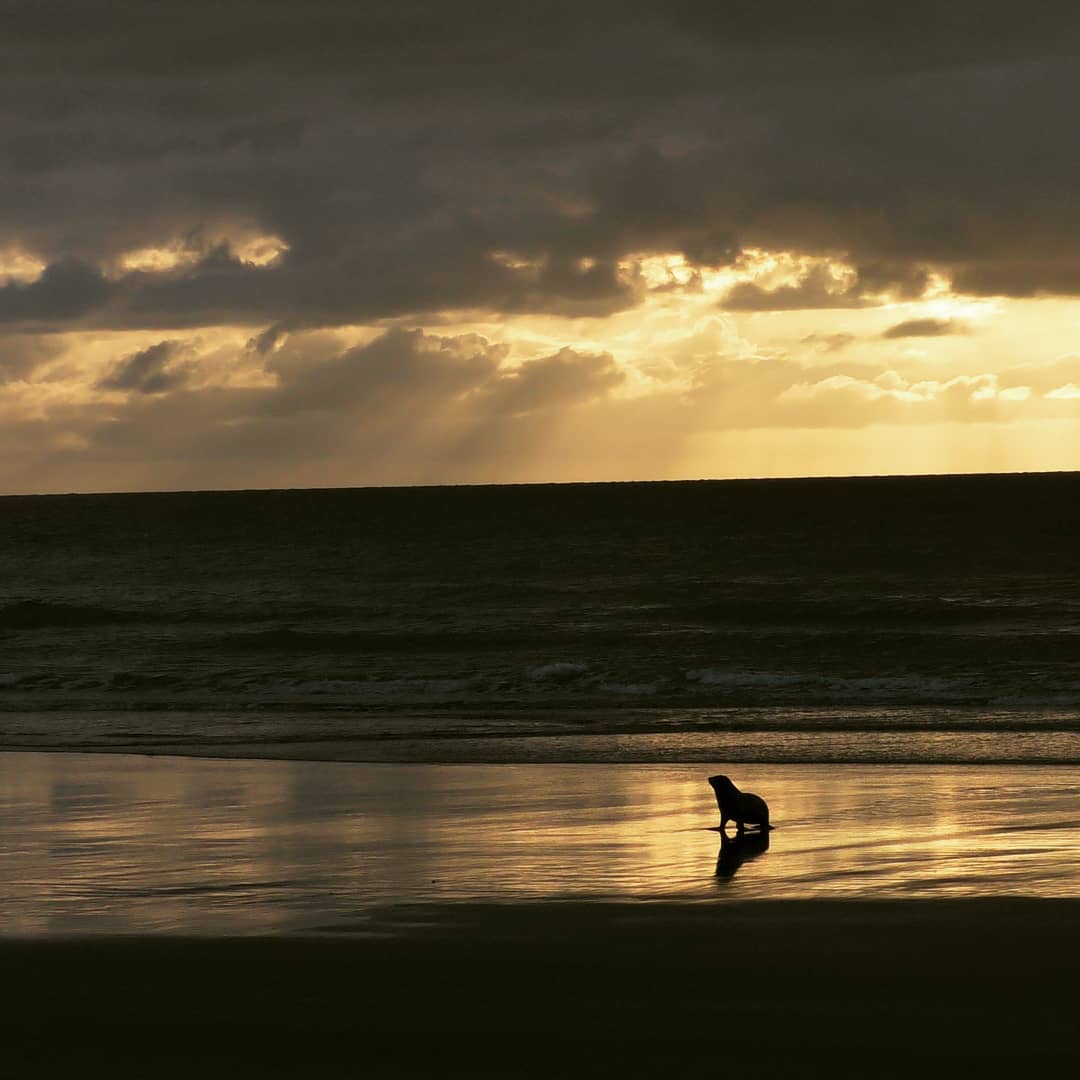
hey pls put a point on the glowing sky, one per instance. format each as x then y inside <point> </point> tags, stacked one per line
<point>273,244</point>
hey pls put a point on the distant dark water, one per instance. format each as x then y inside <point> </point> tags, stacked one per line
<point>856,605</point>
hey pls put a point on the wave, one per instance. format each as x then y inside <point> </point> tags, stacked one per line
<point>480,642</point>
<point>859,612</point>
<point>39,614</point>
<point>34,614</point>
<point>419,739</point>
<point>389,680</point>
<point>742,679</point>
<point>560,671</point>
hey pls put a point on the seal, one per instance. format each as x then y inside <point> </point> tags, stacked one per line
<point>742,807</point>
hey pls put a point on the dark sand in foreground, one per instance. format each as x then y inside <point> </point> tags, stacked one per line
<point>908,988</point>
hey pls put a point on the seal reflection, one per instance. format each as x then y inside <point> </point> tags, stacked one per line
<point>735,850</point>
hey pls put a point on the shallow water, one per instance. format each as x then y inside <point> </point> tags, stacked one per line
<point>121,844</point>
<point>782,735</point>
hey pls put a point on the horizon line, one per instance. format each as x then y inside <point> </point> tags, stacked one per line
<point>538,484</point>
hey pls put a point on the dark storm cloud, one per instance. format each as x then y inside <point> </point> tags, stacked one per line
<point>65,291</point>
<point>149,371</point>
<point>927,328</point>
<point>333,289</point>
<point>402,366</point>
<point>396,147</point>
<point>817,290</point>
<point>410,371</point>
<point>266,341</point>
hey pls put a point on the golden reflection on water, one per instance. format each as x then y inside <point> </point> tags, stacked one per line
<point>126,844</point>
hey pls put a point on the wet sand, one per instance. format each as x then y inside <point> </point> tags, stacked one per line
<point>171,917</point>
<point>910,988</point>
<point>124,844</point>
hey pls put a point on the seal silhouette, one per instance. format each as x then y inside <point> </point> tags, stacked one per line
<point>742,807</point>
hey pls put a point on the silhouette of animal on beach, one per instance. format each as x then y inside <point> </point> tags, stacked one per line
<point>742,807</point>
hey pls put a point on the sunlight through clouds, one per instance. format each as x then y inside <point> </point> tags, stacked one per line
<point>17,265</point>
<point>641,279</point>
<point>248,247</point>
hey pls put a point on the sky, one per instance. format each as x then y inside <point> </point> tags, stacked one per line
<point>283,244</point>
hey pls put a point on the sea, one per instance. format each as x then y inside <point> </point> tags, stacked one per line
<point>900,620</point>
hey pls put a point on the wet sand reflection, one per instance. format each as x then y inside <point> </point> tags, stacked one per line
<point>100,843</point>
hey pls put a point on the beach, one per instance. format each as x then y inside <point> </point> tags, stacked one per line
<point>855,988</point>
<point>116,843</point>
<point>539,540</point>
<point>163,915</point>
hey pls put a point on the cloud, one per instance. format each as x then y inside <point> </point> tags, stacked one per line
<point>266,341</point>
<point>1045,377</point>
<point>392,163</point>
<point>403,369</point>
<point>149,371</point>
<point>1068,392</point>
<point>846,401</point>
<point>22,354</point>
<point>818,289</point>
<point>415,407</point>
<point>829,343</point>
<point>566,378</point>
<point>65,290</point>
<point>347,167</point>
<point>826,284</point>
<point>927,328</point>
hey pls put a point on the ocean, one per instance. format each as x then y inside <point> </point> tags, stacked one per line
<point>898,620</point>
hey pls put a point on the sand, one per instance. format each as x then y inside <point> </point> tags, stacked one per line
<point>182,918</point>
<point>913,988</point>
<point>122,844</point>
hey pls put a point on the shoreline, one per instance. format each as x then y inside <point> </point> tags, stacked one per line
<point>777,988</point>
<point>105,843</point>
<point>336,751</point>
